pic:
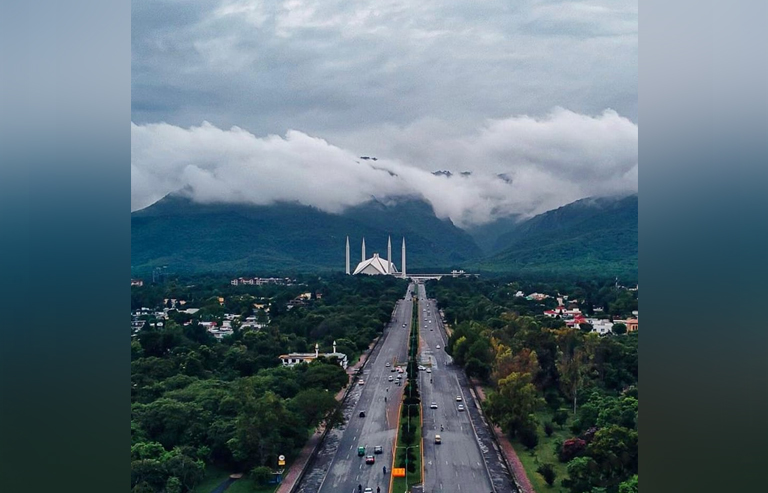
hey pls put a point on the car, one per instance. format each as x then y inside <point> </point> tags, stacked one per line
<point>393,369</point>
<point>438,440</point>
<point>404,325</point>
<point>422,367</point>
<point>433,405</point>
<point>361,382</point>
<point>388,364</point>
<point>458,398</point>
<point>361,451</point>
<point>378,450</point>
<point>399,377</point>
<point>430,330</point>
<point>370,459</point>
<point>362,414</point>
<point>438,346</point>
<point>390,378</point>
<point>461,407</point>
<point>429,370</point>
<point>368,490</point>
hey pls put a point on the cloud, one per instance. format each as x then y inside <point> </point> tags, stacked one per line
<point>546,162</point>
<point>331,67</point>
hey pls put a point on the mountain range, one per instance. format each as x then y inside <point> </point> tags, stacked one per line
<point>596,236</point>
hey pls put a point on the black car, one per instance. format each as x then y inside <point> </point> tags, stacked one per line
<point>362,414</point>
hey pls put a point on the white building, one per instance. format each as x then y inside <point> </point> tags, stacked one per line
<point>292,359</point>
<point>376,265</point>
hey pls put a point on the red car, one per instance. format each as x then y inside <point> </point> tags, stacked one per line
<point>370,459</point>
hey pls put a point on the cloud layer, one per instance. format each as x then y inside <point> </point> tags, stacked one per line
<point>519,165</point>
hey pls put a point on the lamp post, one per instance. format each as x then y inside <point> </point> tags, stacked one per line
<point>406,447</point>
<point>408,406</point>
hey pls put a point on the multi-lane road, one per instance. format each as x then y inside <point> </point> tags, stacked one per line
<point>465,461</point>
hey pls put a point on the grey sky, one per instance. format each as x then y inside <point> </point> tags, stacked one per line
<point>402,80</point>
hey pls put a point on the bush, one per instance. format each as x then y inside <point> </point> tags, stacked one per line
<point>560,417</point>
<point>571,448</point>
<point>261,475</point>
<point>548,429</point>
<point>529,437</point>
<point>548,473</point>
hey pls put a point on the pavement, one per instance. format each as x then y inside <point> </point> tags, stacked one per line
<point>523,483</point>
<point>336,466</point>
<point>467,460</point>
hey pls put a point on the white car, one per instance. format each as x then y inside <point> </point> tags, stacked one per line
<point>433,405</point>
<point>429,370</point>
<point>362,382</point>
<point>388,364</point>
<point>368,490</point>
<point>390,378</point>
<point>422,367</point>
<point>458,398</point>
<point>438,346</point>
<point>461,407</point>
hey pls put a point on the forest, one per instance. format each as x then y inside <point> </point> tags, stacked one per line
<point>197,401</point>
<point>566,398</point>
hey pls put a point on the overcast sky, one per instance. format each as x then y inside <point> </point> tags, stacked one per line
<point>267,100</point>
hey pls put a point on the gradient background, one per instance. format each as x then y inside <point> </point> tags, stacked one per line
<point>64,260</point>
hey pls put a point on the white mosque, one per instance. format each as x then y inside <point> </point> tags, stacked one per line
<point>377,266</point>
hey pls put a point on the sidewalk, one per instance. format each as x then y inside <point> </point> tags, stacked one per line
<point>517,467</point>
<point>297,467</point>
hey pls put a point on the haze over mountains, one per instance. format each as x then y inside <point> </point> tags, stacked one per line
<point>590,236</point>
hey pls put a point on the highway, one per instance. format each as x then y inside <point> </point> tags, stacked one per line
<point>338,468</point>
<point>467,460</point>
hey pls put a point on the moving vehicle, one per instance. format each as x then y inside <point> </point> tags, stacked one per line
<point>433,405</point>
<point>370,459</point>
<point>388,364</point>
<point>361,382</point>
<point>368,490</point>
<point>390,378</point>
<point>458,398</point>
<point>378,450</point>
<point>438,346</point>
<point>362,414</point>
<point>429,370</point>
<point>461,407</point>
<point>360,451</point>
<point>438,440</point>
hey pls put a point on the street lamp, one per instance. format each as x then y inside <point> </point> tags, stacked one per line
<point>408,406</point>
<point>408,447</point>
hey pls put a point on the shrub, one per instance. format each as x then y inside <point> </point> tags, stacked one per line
<point>261,475</point>
<point>548,473</point>
<point>548,429</point>
<point>560,417</point>
<point>529,437</point>
<point>573,447</point>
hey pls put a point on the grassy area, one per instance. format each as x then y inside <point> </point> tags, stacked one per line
<point>247,486</point>
<point>213,477</point>
<point>542,454</point>
<point>398,484</point>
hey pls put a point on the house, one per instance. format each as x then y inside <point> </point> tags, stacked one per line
<point>631,324</point>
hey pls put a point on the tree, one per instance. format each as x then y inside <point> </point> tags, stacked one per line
<point>619,329</point>
<point>630,485</point>
<point>560,417</point>
<point>585,327</point>
<point>547,472</point>
<point>580,474</point>
<point>515,402</point>
<point>548,428</point>
<point>173,485</point>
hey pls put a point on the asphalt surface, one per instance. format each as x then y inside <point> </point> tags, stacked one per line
<point>468,459</point>
<point>337,468</point>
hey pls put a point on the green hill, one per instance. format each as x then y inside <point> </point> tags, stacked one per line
<point>191,237</point>
<point>595,236</point>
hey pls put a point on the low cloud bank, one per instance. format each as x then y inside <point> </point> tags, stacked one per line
<point>519,165</point>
